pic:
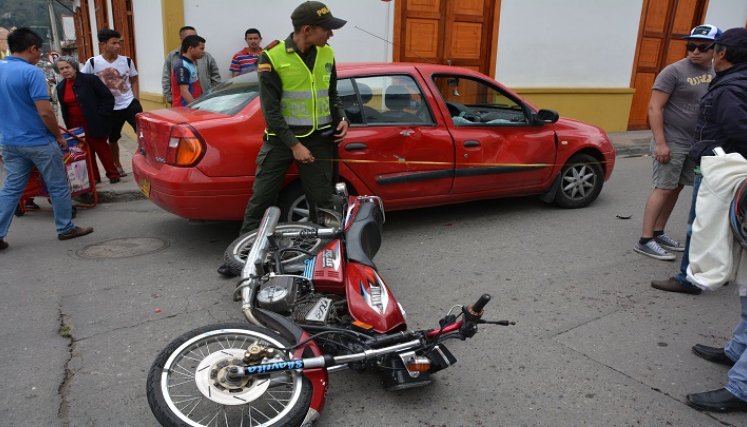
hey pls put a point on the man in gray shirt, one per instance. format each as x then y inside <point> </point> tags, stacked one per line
<point>207,68</point>
<point>672,114</point>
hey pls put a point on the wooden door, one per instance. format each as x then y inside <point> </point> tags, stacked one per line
<point>663,24</point>
<point>123,23</point>
<point>83,42</point>
<point>101,10</point>
<point>456,32</point>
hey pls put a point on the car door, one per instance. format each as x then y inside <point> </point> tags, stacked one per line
<point>394,145</point>
<point>498,148</point>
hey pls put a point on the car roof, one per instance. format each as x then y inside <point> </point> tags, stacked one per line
<point>358,68</point>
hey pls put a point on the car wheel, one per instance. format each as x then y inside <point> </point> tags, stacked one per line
<point>581,181</point>
<point>292,203</point>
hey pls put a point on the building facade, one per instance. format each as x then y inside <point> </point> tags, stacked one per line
<point>588,59</point>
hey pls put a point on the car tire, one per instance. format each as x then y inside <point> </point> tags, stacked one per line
<point>292,203</point>
<point>581,181</point>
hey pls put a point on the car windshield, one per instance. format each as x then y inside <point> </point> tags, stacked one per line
<point>231,96</point>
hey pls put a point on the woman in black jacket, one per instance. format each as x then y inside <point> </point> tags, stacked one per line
<point>86,102</point>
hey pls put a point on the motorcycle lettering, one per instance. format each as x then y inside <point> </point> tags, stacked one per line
<point>374,292</point>
<point>318,312</point>
<point>329,258</point>
<point>273,367</point>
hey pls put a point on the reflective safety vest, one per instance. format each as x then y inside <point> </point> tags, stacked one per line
<point>305,99</point>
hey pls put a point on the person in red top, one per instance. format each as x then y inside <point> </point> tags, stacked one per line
<point>86,102</point>
<point>246,59</point>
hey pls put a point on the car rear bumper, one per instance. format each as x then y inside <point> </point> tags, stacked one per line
<point>190,194</point>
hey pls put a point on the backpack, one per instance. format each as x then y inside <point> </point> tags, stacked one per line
<point>129,62</point>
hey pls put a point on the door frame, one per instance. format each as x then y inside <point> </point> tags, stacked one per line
<point>701,7</point>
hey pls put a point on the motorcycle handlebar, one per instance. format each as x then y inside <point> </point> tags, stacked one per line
<point>481,303</point>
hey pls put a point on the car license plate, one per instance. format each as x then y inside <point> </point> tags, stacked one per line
<point>145,188</point>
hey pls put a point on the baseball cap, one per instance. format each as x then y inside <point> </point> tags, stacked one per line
<point>704,32</point>
<point>733,37</point>
<point>316,13</point>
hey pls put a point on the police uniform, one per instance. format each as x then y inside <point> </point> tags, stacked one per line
<point>298,95</point>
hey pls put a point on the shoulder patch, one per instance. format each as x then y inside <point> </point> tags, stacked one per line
<point>265,67</point>
<point>272,44</point>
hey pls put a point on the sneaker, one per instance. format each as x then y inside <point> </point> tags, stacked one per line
<point>669,243</point>
<point>3,244</point>
<point>653,250</point>
<point>75,232</point>
<point>672,285</point>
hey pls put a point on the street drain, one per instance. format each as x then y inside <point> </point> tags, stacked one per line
<point>123,248</point>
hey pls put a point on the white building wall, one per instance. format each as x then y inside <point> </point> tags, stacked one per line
<point>148,21</point>
<point>569,43</point>
<point>223,27</point>
<point>726,14</point>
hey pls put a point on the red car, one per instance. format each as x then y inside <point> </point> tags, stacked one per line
<point>420,135</point>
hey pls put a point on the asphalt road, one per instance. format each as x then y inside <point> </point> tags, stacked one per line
<point>594,345</point>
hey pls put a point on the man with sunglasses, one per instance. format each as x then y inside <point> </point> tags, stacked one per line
<point>672,113</point>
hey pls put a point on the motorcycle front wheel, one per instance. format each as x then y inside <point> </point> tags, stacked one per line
<point>237,251</point>
<point>187,384</point>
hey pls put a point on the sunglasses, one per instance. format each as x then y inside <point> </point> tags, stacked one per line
<point>701,47</point>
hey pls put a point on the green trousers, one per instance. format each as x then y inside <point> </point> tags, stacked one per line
<point>273,161</point>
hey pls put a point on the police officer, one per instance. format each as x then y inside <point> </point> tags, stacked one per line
<point>304,116</point>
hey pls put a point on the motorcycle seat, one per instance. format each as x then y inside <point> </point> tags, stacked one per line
<point>363,238</point>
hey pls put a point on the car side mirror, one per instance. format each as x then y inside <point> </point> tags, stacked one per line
<point>546,116</point>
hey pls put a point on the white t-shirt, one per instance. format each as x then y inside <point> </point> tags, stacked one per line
<point>116,76</point>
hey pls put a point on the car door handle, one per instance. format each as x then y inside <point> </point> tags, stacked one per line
<point>471,143</point>
<point>356,146</point>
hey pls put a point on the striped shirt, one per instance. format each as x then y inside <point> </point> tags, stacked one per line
<point>244,61</point>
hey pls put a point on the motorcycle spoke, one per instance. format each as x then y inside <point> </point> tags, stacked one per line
<point>193,407</point>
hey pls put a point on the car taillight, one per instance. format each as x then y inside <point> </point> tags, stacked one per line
<point>185,146</point>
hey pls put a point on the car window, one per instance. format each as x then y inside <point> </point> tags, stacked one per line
<point>231,96</point>
<point>474,102</point>
<point>383,100</point>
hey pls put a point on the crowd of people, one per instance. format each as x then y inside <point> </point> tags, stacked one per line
<point>698,107</point>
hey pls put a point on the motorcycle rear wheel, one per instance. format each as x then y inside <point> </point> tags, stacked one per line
<point>237,251</point>
<point>184,389</point>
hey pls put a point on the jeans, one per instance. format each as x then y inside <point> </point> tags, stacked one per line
<point>681,277</point>
<point>19,162</point>
<point>735,349</point>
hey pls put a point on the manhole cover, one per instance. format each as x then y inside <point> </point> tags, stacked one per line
<point>123,248</point>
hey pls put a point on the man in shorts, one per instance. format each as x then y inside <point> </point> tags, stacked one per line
<point>673,113</point>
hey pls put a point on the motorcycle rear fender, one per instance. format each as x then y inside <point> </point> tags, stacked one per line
<point>290,331</point>
<point>370,301</point>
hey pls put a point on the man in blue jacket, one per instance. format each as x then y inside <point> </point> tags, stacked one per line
<point>30,136</point>
<point>723,123</point>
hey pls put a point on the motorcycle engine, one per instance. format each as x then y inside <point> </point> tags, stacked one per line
<point>278,294</point>
<point>292,296</point>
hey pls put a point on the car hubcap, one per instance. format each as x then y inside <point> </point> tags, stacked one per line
<point>579,181</point>
<point>299,210</point>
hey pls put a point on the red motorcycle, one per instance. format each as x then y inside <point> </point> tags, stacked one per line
<point>316,304</point>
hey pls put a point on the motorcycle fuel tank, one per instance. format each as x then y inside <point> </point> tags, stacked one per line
<point>370,301</point>
<point>326,269</point>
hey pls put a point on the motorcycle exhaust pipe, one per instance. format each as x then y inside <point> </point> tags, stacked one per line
<point>254,267</point>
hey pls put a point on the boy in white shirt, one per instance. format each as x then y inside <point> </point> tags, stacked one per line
<point>118,74</point>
